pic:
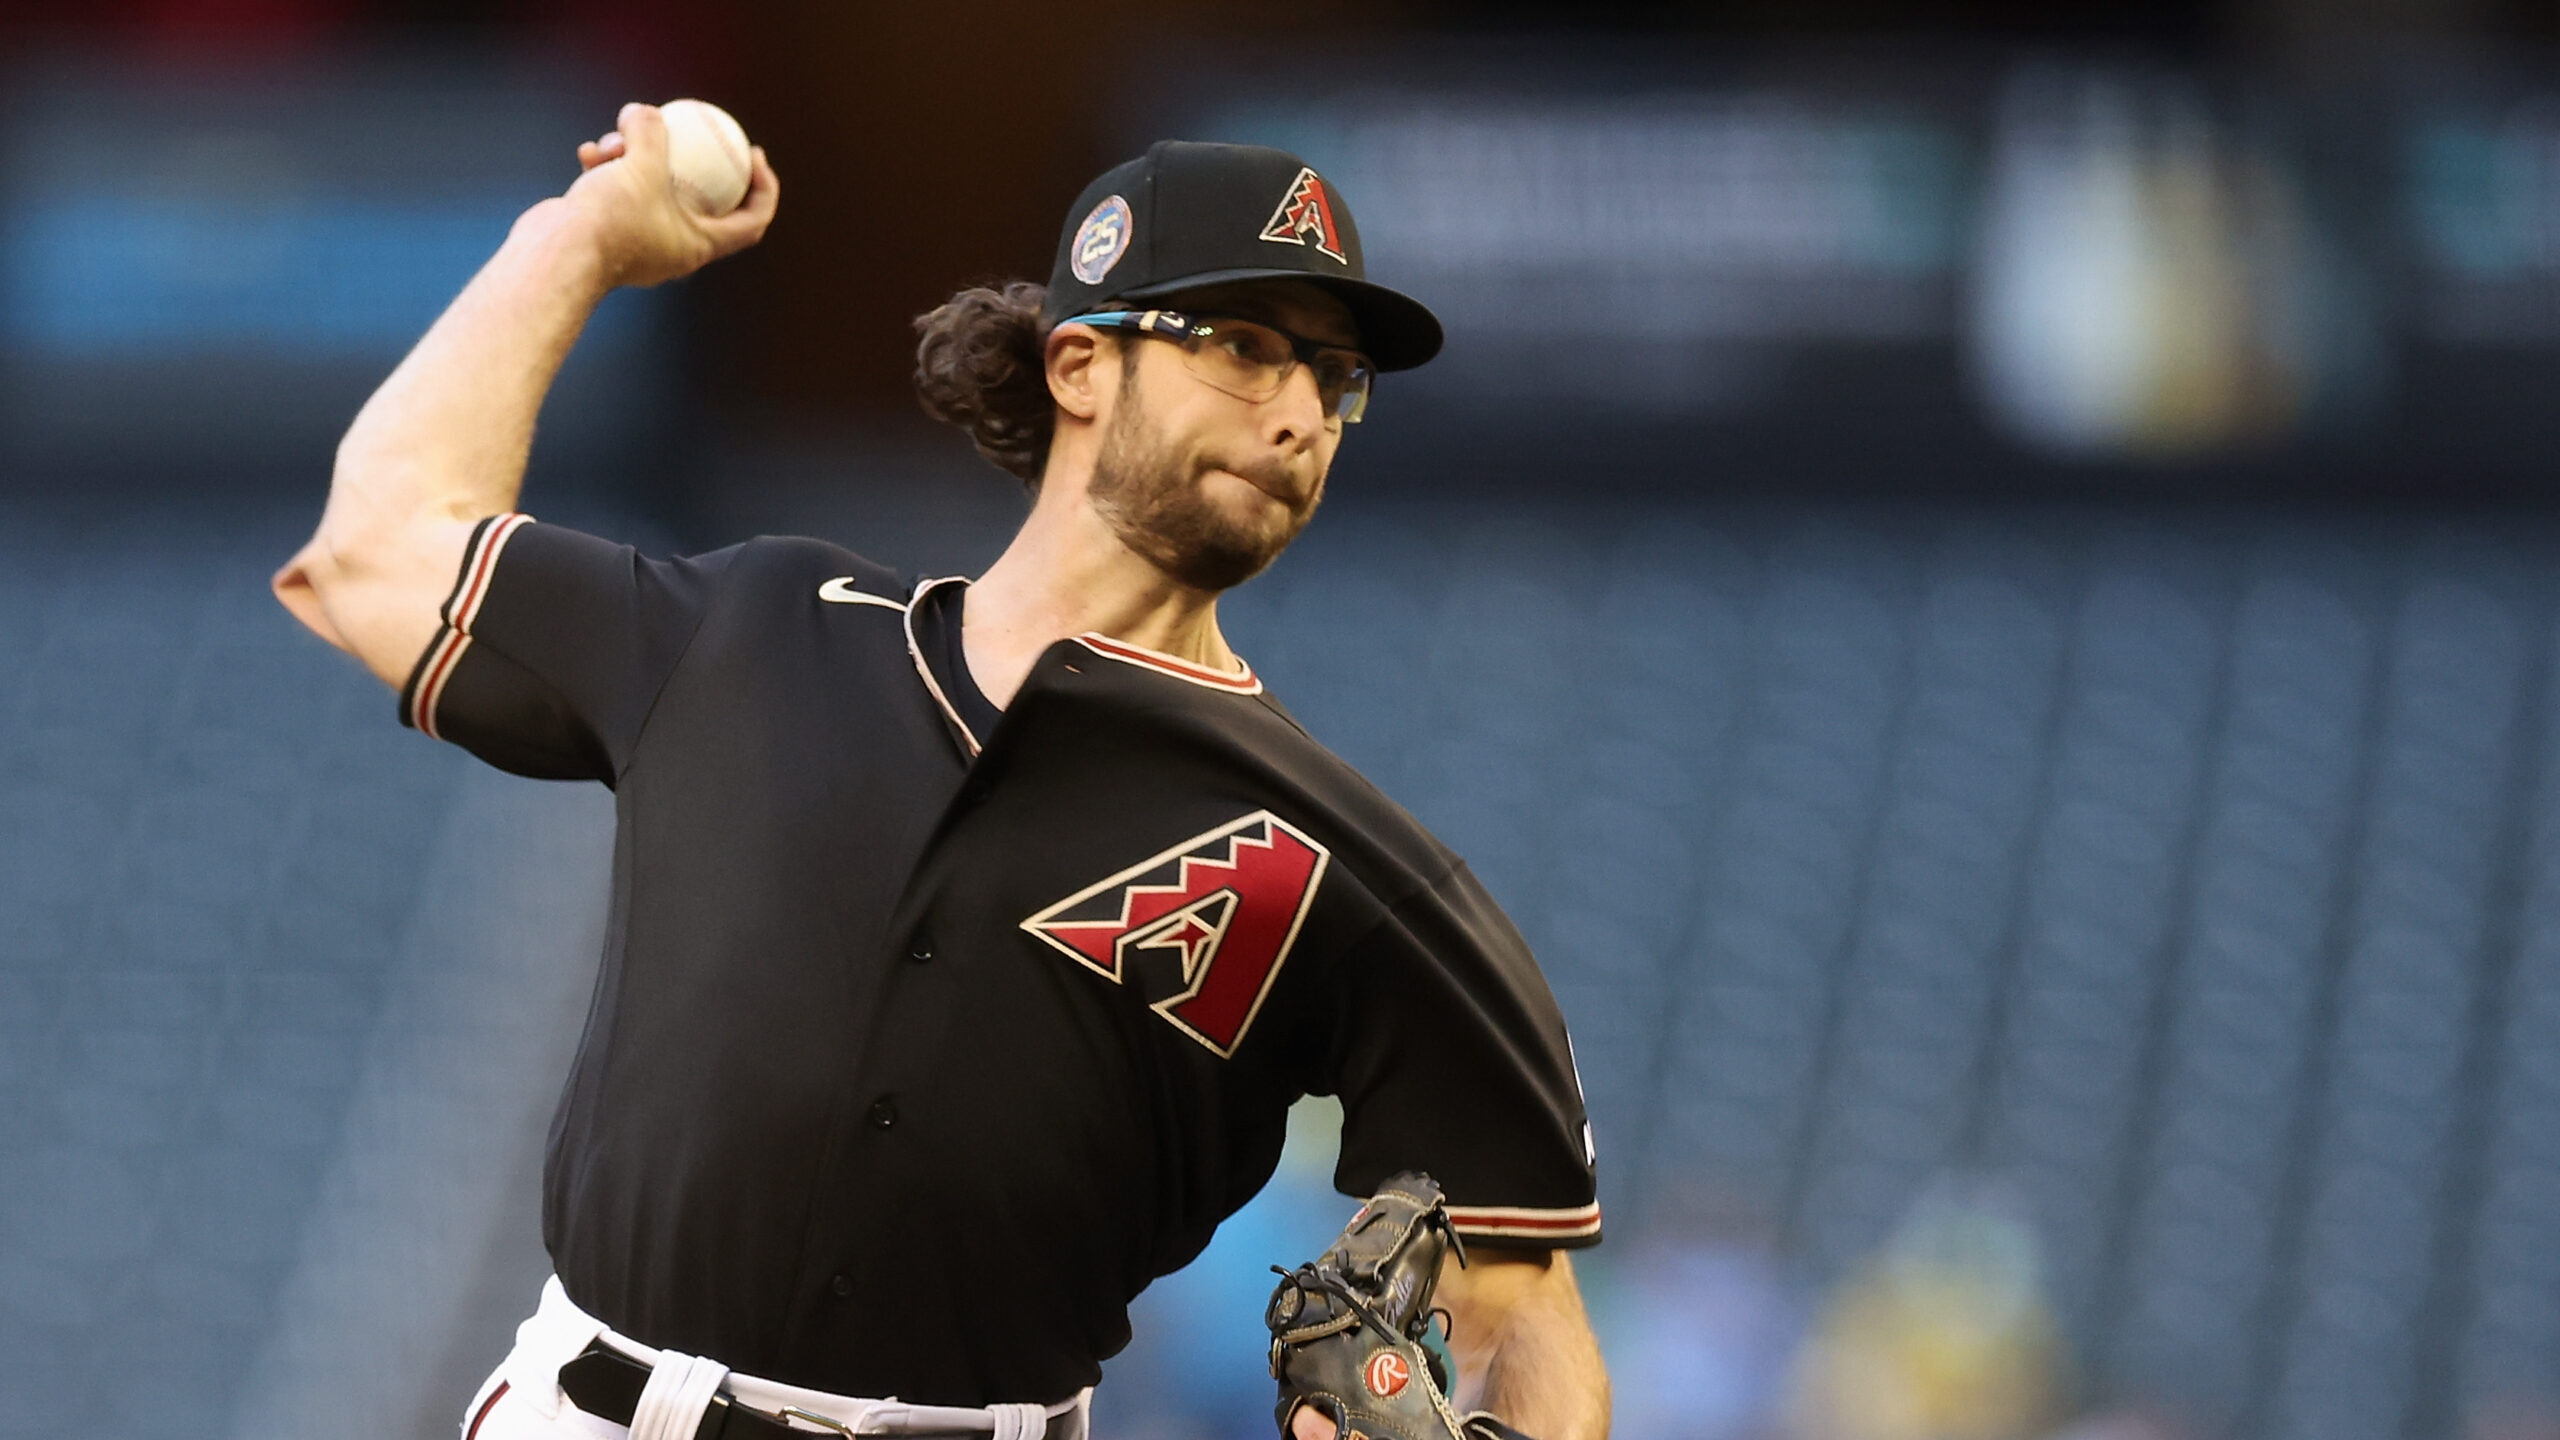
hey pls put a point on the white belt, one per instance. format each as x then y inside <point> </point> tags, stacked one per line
<point>681,1386</point>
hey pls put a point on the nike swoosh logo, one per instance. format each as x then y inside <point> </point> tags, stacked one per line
<point>840,591</point>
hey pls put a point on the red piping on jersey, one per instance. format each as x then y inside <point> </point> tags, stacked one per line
<point>485,1407</point>
<point>422,706</point>
<point>1242,681</point>
<point>459,612</point>
<point>1562,1224</point>
<point>476,591</point>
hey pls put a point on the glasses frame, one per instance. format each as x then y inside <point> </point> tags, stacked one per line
<point>1183,325</point>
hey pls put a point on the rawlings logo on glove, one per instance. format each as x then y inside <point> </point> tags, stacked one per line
<point>1347,1328</point>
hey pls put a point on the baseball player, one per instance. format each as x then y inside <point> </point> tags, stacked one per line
<point>970,940</point>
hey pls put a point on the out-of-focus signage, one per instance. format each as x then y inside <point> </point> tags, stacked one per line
<point>220,265</point>
<point>167,273</point>
<point>1619,248</point>
<point>2483,207</point>
<point>2111,260</point>
<point>2152,280</point>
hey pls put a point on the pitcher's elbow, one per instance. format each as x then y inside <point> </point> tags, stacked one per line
<point>297,586</point>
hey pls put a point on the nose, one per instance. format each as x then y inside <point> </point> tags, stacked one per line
<point>1294,418</point>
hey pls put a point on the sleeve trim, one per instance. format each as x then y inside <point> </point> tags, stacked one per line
<point>461,608</point>
<point>480,561</point>
<point>1519,1223</point>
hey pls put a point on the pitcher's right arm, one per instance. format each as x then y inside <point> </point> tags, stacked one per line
<point>442,444</point>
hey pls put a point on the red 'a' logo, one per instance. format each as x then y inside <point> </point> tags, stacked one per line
<point>1305,217</point>
<point>1228,902</point>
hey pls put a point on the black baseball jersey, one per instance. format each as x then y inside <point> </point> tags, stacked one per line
<point>911,1062</point>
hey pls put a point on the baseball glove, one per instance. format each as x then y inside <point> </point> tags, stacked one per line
<point>1347,1329</point>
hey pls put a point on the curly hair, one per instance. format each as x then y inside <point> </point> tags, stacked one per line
<point>979,366</point>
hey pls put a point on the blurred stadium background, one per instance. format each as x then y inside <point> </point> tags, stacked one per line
<point>1980,578</point>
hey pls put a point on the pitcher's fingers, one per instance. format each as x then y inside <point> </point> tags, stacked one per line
<point>592,153</point>
<point>745,225</point>
<point>644,133</point>
<point>764,186</point>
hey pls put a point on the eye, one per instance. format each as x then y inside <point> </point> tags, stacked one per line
<point>1253,344</point>
<point>1335,371</point>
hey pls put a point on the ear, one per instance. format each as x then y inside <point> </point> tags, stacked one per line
<point>1072,358</point>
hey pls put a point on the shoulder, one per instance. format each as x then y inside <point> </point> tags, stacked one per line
<point>1225,730</point>
<point>1395,854</point>
<point>789,581</point>
<point>1403,858</point>
<point>770,560</point>
<point>803,567</point>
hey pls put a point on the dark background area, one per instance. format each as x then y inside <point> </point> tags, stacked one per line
<point>924,146</point>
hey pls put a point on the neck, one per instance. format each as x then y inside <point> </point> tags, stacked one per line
<point>1065,574</point>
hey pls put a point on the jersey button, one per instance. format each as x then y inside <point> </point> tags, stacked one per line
<point>884,1113</point>
<point>920,949</point>
<point>842,1285</point>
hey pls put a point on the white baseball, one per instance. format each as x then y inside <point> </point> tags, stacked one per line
<point>707,153</point>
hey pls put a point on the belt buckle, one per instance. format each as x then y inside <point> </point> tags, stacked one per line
<point>794,1412</point>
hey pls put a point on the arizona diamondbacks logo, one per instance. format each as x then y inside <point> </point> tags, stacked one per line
<point>1229,902</point>
<point>1305,217</point>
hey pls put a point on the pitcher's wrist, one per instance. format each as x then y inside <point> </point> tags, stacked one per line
<point>566,238</point>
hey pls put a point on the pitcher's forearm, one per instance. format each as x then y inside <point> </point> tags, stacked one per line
<point>1545,1379</point>
<point>446,436</point>
<point>443,442</point>
<point>1524,1347</point>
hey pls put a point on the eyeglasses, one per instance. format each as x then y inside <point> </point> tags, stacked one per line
<point>1251,360</point>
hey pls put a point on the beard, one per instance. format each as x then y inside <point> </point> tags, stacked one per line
<point>1150,493</point>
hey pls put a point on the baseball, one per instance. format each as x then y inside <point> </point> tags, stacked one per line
<point>707,155</point>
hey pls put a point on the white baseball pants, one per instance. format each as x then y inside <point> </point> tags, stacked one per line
<point>522,1399</point>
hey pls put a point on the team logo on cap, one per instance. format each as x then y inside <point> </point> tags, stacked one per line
<point>1386,1374</point>
<point>1100,241</point>
<point>1305,217</point>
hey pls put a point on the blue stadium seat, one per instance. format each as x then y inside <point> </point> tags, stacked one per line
<point>208,828</point>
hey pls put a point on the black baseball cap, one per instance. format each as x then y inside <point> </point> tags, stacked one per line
<point>1187,214</point>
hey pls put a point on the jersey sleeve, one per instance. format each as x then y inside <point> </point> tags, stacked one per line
<point>553,647</point>
<point>1451,1057</point>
